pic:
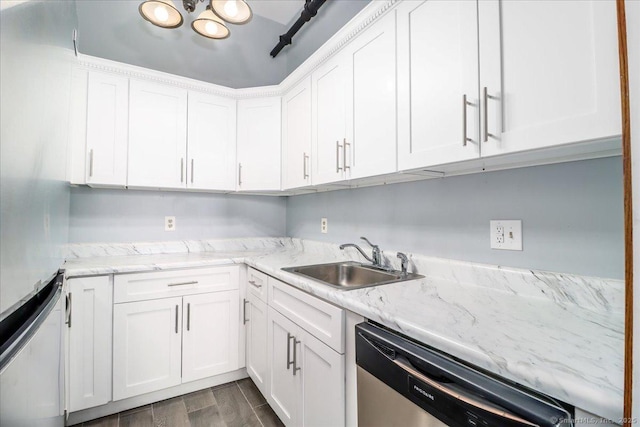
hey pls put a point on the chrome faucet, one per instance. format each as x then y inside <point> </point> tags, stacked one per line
<point>376,254</point>
<point>404,263</point>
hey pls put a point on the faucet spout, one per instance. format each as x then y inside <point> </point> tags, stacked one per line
<point>353,245</point>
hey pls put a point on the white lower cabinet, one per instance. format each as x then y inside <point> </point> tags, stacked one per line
<point>307,378</point>
<point>175,336</point>
<point>89,339</point>
<point>147,341</point>
<point>256,334</point>
<point>210,335</point>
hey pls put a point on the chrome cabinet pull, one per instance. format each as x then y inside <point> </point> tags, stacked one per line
<point>194,282</point>
<point>305,174</point>
<point>91,163</point>
<point>176,318</point>
<point>485,107</point>
<point>244,311</point>
<point>295,356</point>
<point>465,103</point>
<point>192,171</point>
<point>289,362</point>
<point>253,282</point>
<point>188,316</point>
<point>239,173</point>
<point>338,146</point>
<point>68,319</point>
<point>344,154</point>
<point>182,169</point>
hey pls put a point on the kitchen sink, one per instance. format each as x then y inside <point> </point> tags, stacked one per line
<point>351,275</point>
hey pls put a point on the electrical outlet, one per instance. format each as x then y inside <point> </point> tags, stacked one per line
<point>324,226</point>
<point>506,235</point>
<point>169,223</point>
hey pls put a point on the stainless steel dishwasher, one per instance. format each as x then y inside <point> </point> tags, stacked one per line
<point>402,383</point>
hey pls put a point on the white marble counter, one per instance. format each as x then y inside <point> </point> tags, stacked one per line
<point>560,334</point>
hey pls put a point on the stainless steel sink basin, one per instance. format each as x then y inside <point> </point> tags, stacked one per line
<point>350,275</point>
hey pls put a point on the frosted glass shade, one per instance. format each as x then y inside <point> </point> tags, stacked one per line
<point>209,25</point>
<point>162,13</point>
<point>232,11</point>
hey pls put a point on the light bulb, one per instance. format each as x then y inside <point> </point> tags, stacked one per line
<point>161,13</point>
<point>231,8</point>
<point>211,28</point>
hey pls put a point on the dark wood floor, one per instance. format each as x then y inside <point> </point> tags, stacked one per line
<point>236,404</point>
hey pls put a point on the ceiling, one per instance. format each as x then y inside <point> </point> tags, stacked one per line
<point>113,29</point>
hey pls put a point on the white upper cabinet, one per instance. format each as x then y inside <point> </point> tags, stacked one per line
<point>372,150</point>
<point>107,120</point>
<point>157,135</point>
<point>332,120</point>
<point>437,83</point>
<point>296,136</point>
<point>259,124</point>
<point>211,142</point>
<point>551,73</point>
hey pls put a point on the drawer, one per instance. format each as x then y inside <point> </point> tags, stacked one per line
<point>257,283</point>
<point>321,319</point>
<point>165,284</point>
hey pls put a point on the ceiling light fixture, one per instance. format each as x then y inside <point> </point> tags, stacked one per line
<point>210,24</point>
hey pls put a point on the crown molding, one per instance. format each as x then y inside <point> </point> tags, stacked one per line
<point>367,16</point>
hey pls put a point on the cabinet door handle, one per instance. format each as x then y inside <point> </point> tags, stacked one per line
<point>176,318</point>
<point>305,174</point>
<point>344,154</point>
<point>244,311</point>
<point>91,163</point>
<point>192,171</point>
<point>485,107</point>
<point>296,368</point>
<point>253,282</point>
<point>338,146</point>
<point>68,319</point>
<point>193,282</point>
<point>182,169</point>
<point>289,362</point>
<point>465,103</point>
<point>239,173</point>
<point>188,316</point>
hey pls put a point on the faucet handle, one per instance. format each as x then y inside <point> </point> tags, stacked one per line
<point>370,244</point>
<point>404,262</point>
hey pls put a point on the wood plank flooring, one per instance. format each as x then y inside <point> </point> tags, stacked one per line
<point>236,404</point>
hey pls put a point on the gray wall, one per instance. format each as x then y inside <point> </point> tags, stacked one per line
<point>100,215</point>
<point>571,216</point>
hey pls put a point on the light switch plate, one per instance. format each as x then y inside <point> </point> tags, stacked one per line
<point>169,223</point>
<point>506,234</point>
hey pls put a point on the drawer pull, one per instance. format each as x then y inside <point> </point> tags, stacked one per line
<point>253,282</point>
<point>194,282</point>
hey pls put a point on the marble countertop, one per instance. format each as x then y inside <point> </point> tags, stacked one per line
<point>559,334</point>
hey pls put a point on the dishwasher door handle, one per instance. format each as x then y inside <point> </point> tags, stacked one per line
<point>406,365</point>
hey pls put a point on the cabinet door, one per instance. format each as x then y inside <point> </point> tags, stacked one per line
<point>437,68</point>
<point>551,73</point>
<point>157,135</point>
<point>211,146</point>
<point>323,384</point>
<point>296,136</point>
<point>373,148</point>
<point>107,120</point>
<point>90,338</point>
<point>284,386</point>
<point>256,333</point>
<point>210,335</point>
<point>259,123</point>
<point>147,342</point>
<point>331,120</point>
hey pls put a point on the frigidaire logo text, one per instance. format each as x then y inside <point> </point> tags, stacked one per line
<point>422,392</point>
